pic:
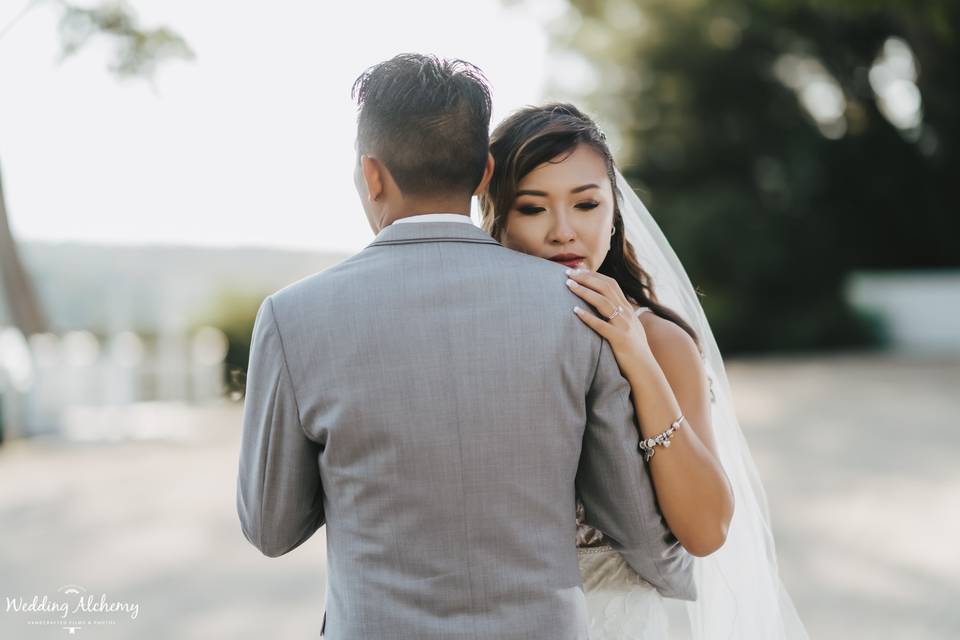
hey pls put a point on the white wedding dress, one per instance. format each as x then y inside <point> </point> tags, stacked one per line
<point>621,605</point>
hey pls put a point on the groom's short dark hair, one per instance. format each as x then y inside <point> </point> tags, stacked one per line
<point>427,119</point>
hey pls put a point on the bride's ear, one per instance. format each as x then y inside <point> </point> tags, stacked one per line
<point>487,174</point>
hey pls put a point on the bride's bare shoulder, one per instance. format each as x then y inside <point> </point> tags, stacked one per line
<point>673,347</point>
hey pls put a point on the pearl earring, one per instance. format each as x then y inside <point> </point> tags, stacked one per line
<point>613,231</point>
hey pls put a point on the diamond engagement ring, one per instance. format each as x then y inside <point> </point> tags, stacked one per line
<point>616,312</point>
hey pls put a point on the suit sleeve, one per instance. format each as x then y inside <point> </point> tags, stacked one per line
<point>616,488</point>
<point>279,493</point>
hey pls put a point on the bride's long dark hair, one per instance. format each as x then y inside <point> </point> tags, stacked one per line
<point>534,135</point>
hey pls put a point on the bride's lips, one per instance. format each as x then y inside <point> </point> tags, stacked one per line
<point>569,259</point>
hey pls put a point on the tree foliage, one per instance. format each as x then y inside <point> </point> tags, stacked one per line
<point>760,134</point>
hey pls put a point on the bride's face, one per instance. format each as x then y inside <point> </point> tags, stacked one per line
<point>563,208</point>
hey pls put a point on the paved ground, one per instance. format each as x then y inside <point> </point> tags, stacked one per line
<point>859,455</point>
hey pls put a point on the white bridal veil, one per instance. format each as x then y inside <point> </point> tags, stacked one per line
<point>740,595</point>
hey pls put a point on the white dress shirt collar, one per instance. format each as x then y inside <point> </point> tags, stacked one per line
<point>436,217</point>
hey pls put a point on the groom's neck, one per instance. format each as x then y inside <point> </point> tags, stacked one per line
<point>407,209</point>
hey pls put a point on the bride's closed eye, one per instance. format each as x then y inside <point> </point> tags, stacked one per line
<point>530,209</point>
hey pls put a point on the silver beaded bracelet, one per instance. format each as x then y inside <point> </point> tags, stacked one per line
<point>661,439</point>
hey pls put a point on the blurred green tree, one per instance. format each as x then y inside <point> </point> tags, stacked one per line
<point>137,52</point>
<point>234,312</point>
<point>781,144</point>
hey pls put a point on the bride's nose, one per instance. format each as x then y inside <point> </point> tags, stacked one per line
<point>561,232</point>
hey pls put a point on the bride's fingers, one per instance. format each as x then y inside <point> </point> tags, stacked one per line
<point>599,301</point>
<point>600,283</point>
<point>599,325</point>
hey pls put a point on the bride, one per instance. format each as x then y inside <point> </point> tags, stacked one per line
<point>556,193</point>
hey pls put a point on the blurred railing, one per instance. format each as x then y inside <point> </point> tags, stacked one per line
<point>80,387</point>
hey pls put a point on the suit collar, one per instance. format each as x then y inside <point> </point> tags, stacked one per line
<point>433,231</point>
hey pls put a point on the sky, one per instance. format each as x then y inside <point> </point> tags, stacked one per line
<point>251,143</point>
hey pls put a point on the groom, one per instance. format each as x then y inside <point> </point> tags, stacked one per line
<point>434,402</point>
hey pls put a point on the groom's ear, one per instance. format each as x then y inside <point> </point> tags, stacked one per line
<point>487,174</point>
<point>372,171</point>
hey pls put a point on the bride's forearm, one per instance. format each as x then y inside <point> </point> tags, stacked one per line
<point>692,489</point>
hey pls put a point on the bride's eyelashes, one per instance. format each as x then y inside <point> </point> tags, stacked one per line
<point>531,210</point>
<point>528,210</point>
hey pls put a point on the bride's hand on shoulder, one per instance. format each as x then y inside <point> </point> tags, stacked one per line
<point>624,332</point>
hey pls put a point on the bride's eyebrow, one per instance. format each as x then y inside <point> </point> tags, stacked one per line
<point>531,192</point>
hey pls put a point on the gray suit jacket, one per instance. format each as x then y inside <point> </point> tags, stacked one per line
<point>437,404</point>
